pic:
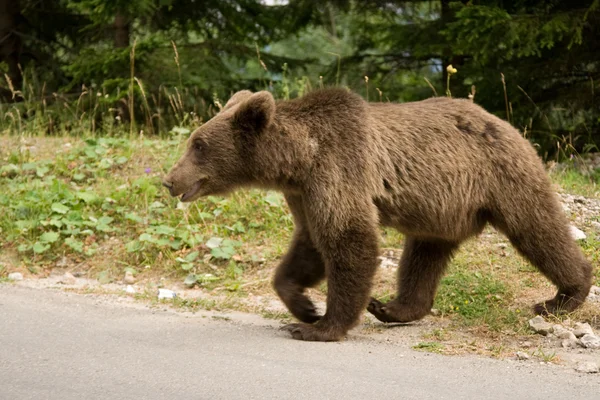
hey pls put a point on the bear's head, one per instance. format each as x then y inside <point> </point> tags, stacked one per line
<point>218,152</point>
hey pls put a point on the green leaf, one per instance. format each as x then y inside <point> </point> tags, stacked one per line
<point>134,217</point>
<point>25,224</point>
<point>145,237</point>
<point>105,220</point>
<point>41,171</point>
<point>103,224</point>
<point>164,230</point>
<point>39,247</point>
<point>56,222</point>
<point>175,244</point>
<point>60,208</point>
<point>87,197</point>
<point>10,169</point>
<point>90,153</point>
<point>238,227</point>
<point>23,248</point>
<point>133,246</point>
<point>90,251</point>
<point>224,253</point>
<point>104,228</point>
<point>74,244</point>
<point>214,242</point>
<point>190,280</point>
<point>231,243</point>
<point>187,266</point>
<point>206,278</point>
<point>49,237</point>
<point>274,199</point>
<point>105,163</point>
<point>122,160</point>
<point>78,176</point>
<point>192,256</point>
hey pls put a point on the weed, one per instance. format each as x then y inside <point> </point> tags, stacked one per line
<point>281,316</point>
<point>547,357</point>
<point>432,347</point>
<point>438,334</point>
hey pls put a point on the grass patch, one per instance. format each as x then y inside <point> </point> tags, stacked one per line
<point>431,347</point>
<point>574,182</point>
<point>477,298</point>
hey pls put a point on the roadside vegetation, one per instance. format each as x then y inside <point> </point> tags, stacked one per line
<point>94,207</point>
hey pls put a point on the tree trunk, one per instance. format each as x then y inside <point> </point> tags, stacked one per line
<point>10,42</point>
<point>121,30</point>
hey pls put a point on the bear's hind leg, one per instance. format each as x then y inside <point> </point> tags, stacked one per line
<point>421,268</point>
<point>543,238</point>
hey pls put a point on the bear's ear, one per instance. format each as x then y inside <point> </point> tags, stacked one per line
<point>256,113</point>
<point>237,98</point>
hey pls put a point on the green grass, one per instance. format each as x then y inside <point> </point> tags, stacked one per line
<point>477,298</point>
<point>101,200</point>
<point>432,347</point>
<point>575,182</point>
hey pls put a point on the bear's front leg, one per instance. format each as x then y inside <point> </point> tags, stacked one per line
<point>302,267</point>
<point>348,242</point>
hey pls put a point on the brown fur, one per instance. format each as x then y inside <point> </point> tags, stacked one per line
<point>437,170</point>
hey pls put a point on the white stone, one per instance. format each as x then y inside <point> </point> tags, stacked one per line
<point>577,233</point>
<point>588,367</point>
<point>166,294</point>
<point>569,343</point>
<point>521,355</point>
<point>129,279</point>
<point>387,263</point>
<point>558,330</point>
<point>567,335</point>
<point>68,279</point>
<point>590,341</point>
<point>582,329</point>
<point>15,276</point>
<point>539,325</point>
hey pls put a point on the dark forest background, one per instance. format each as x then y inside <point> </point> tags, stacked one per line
<point>163,66</point>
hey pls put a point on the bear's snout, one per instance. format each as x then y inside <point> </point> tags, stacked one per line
<point>169,185</point>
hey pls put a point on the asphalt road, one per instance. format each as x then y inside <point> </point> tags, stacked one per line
<point>55,345</point>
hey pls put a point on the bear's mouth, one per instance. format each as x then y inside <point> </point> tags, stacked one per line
<point>189,195</point>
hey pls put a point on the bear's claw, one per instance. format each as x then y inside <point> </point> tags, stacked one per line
<point>313,333</point>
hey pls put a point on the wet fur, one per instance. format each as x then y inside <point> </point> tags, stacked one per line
<point>437,170</point>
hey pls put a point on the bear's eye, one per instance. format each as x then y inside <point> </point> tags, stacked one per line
<point>198,145</point>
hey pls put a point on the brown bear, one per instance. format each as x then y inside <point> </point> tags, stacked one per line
<point>437,170</point>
